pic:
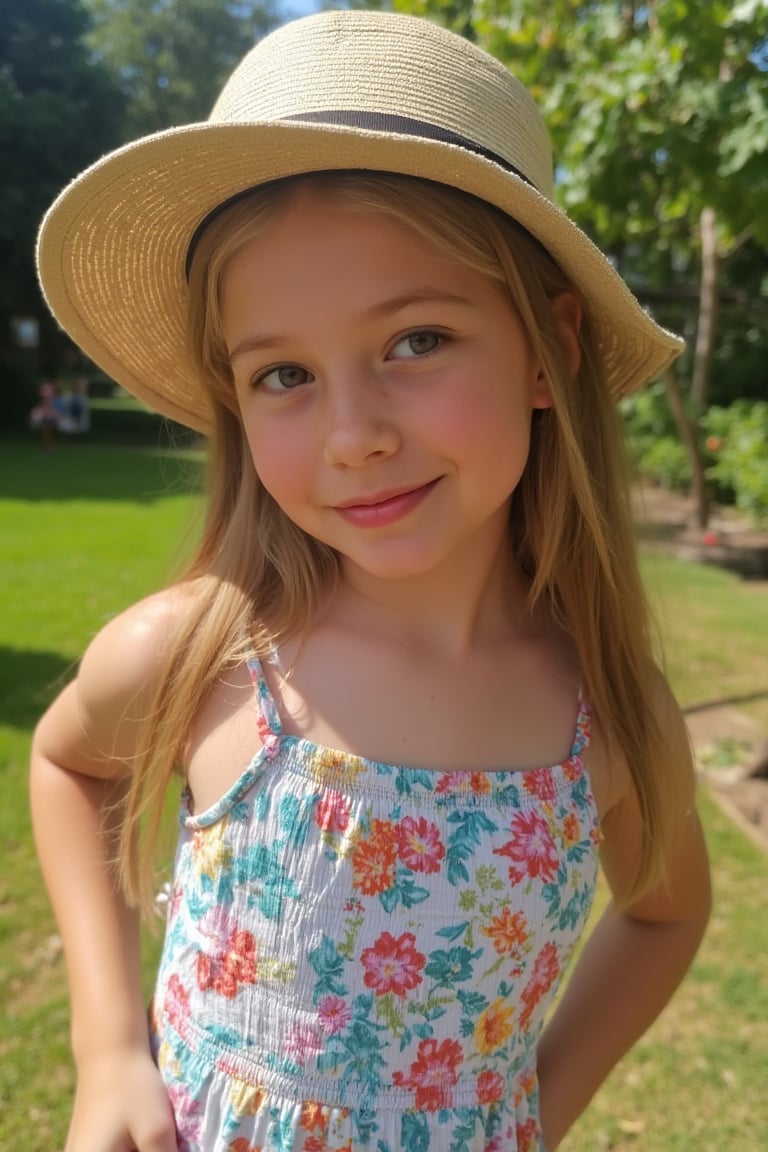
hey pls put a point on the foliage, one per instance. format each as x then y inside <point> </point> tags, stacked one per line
<point>738,438</point>
<point>657,110</point>
<point>171,57</point>
<point>58,111</point>
<point>652,438</point>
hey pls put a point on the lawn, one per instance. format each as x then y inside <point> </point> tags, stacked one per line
<point>84,531</point>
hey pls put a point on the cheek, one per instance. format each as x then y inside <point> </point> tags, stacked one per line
<point>280,464</point>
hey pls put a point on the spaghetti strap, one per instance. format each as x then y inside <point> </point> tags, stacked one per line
<point>268,718</point>
<point>583,732</point>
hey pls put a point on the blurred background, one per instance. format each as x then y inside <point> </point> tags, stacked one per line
<point>659,117</point>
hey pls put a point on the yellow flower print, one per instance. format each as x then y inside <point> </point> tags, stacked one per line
<point>211,854</point>
<point>246,1099</point>
<point>494,1026</point>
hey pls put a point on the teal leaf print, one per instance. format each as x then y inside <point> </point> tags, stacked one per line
<point>365,1122</point>
<point>328,963</point>
<point>472,1003</point>
<point>262,868</point>
<point>464,840</point>
<point>451,967</point>
<point>453,931</point>
<point>295,816</point>
<point>406,778</point>
<point>404,891</point>
<point>577,853</point>
<point>414,1132</point>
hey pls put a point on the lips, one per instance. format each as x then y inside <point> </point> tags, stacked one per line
<point>383,508</point>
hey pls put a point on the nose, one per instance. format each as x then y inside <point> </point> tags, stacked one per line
<point>360,421</point>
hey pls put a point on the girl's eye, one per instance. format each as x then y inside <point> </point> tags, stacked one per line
<point>283,378</point>
<point>418,343</point>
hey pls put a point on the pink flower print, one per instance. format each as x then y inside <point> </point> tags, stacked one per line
<point>304,1042</point>
<point>546,969</point>
<point>186,1110</point>
<point>235,965</point>
<point>334,1013</point>
<point>393,965</point>
<point>332,812</point>
<point>419,845</point>
<point>177,1005</point>
<point>491,1087</point>
<point>433,1074</point>
<point>532,847</point>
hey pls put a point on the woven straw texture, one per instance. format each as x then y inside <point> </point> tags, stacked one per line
<point>113,247</point>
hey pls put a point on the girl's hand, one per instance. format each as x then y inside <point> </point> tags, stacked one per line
<point>121,1105</point>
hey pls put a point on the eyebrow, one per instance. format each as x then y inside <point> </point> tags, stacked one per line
<point>383,308</point>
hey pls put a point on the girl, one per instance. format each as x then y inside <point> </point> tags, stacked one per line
<point>407,679</point>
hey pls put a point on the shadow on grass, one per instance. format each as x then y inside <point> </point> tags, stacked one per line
<point>28,683</point>
<point>84,470</point>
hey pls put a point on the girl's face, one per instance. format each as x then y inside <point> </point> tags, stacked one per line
<point>386,390</point>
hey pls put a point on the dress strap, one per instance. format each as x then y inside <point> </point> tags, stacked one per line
<point>583,732</point>
<point>268,718</point>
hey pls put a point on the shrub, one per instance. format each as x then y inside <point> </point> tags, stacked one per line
<point>737,439</point>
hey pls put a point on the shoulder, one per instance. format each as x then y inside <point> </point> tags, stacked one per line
<point>93,725</point>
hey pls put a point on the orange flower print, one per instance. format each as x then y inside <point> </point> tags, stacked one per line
<point>531,849</point>
<point>528,1136</point>
<point>433,1074</point>
<point>242,1145</point>
<point>235,965</point>
<point>393,965</point>
<point>491,1087</point>
<point>571,830</point>
<point>373,860</point>
<point>508,931</point>
<point>419,845</point>
<point>477,782</point>
<point>314,1115</point>
<point>546,969</point>
<point>494,1026</point>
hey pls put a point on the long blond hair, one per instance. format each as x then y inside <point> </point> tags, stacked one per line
<point>258,578</point>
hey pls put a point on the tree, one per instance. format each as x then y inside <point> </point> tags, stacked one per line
<point>659,116</point>
<point>172,56</point>
<point>58,111</point>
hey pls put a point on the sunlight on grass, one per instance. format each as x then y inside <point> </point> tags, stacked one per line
<point>84,532</point>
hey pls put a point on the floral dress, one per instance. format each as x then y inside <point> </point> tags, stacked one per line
<point>360,955</point>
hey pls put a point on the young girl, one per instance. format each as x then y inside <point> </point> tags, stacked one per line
<point>407,679</point>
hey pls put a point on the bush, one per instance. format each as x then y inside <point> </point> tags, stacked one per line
<point>653,441</point>
<point>737,439</point>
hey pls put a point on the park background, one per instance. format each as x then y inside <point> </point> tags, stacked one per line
<point>659,117</point>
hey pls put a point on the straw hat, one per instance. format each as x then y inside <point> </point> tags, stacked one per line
<point>339,90</point>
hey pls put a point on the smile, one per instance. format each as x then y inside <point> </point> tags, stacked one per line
<point>378,511</point>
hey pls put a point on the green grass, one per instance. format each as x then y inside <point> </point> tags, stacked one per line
<point>86,530</point>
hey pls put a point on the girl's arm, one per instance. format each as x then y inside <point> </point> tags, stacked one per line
<point>635,958</point>
<point>81,757</point>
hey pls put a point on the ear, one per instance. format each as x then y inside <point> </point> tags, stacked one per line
<point>567,314</point>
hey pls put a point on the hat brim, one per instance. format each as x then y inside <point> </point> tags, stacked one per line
<point>113,246</point>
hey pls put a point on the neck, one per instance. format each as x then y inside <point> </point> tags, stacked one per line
<point>477,600</point>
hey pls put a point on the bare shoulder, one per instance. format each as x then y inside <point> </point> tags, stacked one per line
<point>92,725</point>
